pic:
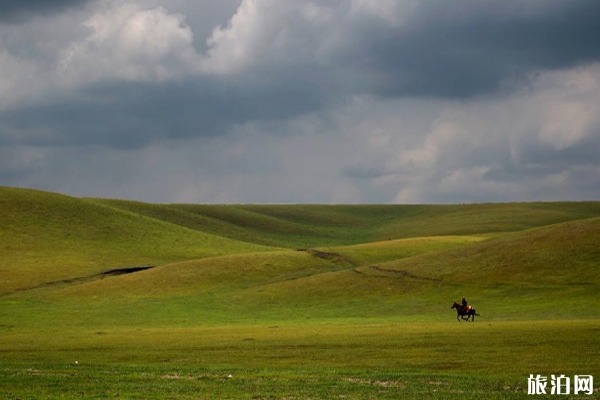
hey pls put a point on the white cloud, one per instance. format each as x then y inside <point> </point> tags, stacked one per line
<point>571,107</point>
<point>487,149</point>
<point>268,33</point>
<point>567,123</point>
<point>107,41</point>
<point>131,43</point>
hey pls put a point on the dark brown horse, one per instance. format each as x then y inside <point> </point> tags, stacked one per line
<point>461,312</point>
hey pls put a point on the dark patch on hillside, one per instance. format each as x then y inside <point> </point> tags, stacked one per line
<point>125,271</point>
<point>82,279</point>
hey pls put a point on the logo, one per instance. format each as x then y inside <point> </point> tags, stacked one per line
<point>561,384</point>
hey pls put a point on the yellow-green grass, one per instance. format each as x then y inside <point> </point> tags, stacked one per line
<point>305,226</point>
<point>561,254</point>
<point>378,252</point>
<point>343,312</point>
<point>48,237</point>
<point>295,286</point>
<point>357,361</point>
<point>216,290</point>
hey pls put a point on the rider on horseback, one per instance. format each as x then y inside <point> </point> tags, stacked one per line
<point>464,304</point>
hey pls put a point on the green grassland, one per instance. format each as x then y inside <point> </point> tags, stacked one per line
<point>293,301</point>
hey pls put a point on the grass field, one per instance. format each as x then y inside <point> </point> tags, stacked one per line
<point>293,302</point>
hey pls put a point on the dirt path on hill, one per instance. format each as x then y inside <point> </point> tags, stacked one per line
<point>400,272</point>
<point>336,258</point>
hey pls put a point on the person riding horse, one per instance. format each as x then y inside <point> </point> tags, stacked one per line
<point>464,311</point>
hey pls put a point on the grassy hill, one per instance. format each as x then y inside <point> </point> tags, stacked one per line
<point>212,264</point>
<point>296,301</point>
<point>304,226</point>
<point>560,254</point>
<point>46,237</point>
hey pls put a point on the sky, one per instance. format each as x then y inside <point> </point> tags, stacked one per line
<point>297,101</point>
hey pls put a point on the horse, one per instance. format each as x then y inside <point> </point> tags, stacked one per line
<point>461,311</point>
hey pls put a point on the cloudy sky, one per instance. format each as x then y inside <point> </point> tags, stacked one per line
<point>297,101</point>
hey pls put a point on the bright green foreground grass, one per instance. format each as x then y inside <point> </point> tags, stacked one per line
<point>294,302</point>
<point>357,361</point>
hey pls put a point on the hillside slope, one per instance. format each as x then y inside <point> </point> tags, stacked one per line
<point>46,237</point>
<point>561,254</point>
<point>304,226</point>
<point>524,275</point>
<point>237,288</point>
<point>353,302</point>
<point>504,257</point>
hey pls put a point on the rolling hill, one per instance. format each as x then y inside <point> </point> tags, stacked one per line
<point>47,237</point>
<point>213,264</point>
<point>292,301</point>
<point>304,226</point>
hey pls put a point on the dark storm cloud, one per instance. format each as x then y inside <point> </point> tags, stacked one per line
<point>131,115</point>
<point>15,11</point>
<point>443,49</point>
<point>413,101</point>
<point>465,48</point>
<point>536,162</point>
